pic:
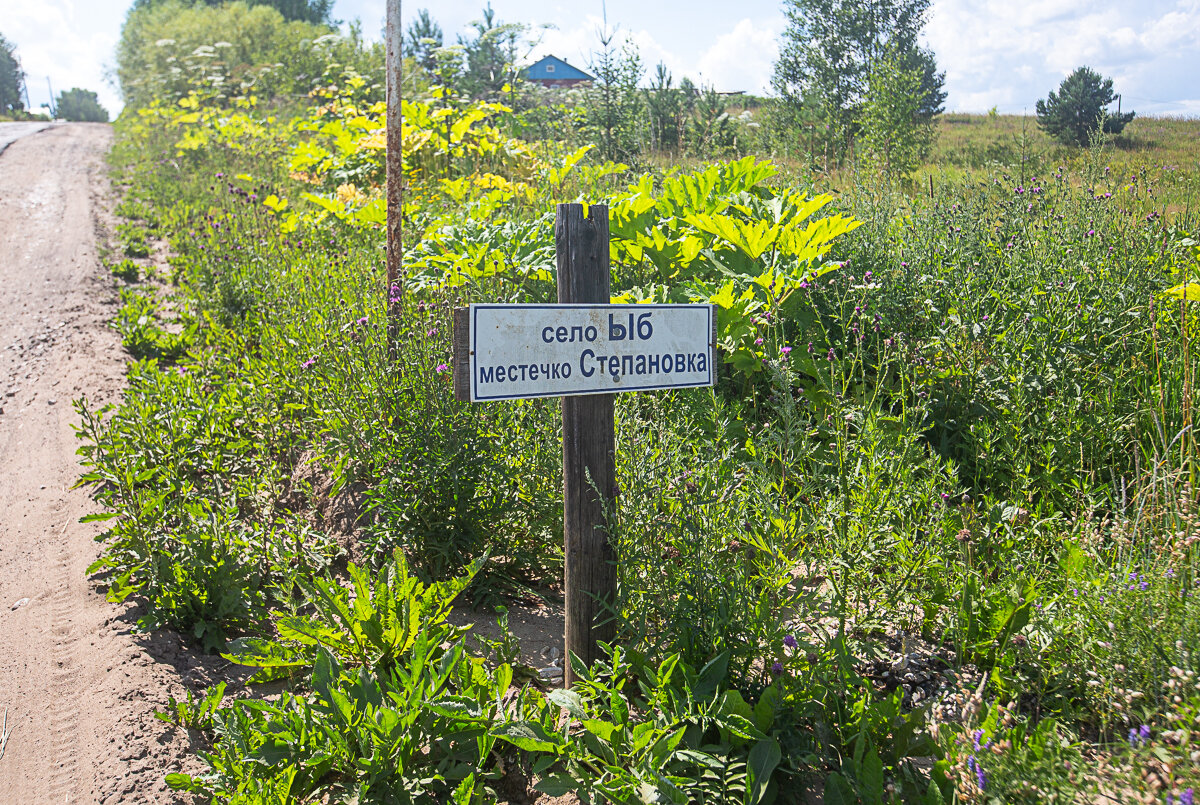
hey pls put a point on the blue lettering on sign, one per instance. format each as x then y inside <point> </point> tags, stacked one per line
<point>616,332</point>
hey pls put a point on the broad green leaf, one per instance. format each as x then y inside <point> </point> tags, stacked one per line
<point>764,757</point>
<point>527,735</point>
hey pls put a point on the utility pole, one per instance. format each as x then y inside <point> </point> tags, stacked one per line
<point>394,66</point>
<point>24,84</point>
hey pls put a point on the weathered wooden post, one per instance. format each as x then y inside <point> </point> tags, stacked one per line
<point>589,463</point>
<point>583,349</point>
<point>394,67</point>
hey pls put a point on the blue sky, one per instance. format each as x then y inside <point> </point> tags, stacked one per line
<point>1002,53</point>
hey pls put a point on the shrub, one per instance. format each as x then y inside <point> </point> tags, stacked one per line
<point>1078,108</point>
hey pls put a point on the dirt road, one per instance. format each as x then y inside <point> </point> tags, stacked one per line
<point>78,684</point>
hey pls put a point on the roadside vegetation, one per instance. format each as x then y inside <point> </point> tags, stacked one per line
<point>931,538</point>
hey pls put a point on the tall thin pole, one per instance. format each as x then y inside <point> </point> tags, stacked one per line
<point>589,464</point>
<point>24,85</point>
<point>395,171</point>
<point>53,106</point>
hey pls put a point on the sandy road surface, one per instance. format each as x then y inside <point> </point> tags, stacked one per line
<point>78,684</point>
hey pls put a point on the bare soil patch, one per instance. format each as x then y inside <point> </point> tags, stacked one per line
<point>80,686</point>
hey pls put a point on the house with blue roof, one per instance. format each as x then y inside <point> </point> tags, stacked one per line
<point>551,71</point>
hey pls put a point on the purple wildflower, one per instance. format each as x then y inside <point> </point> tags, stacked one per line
<point>308,364</point>
<point>789,641</point>
<point>831,356</point>
<point>442,368</point>
<point>777,668</point>
<point>980,777</point>
<point>786,350</point>
<point>1186,797</point>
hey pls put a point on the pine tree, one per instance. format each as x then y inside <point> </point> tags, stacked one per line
<point>1079,108</point>
<point>422,40</point>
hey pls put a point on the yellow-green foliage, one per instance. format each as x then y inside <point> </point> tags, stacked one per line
<point>169,49</point>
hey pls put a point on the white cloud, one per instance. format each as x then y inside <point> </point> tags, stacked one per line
<point>999,54</point>
<point>743,59</point>
<point>70,46</point>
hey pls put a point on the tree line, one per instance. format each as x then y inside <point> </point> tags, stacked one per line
<point>852,85</point>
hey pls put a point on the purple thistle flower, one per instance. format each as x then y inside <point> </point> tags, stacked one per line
<point>777,668</point>
<point>789,641</point>
<point>362,321</point>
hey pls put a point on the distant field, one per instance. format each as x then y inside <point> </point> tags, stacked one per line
<point>976,140</point>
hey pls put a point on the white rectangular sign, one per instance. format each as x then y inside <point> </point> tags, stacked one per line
<point>519,351</point>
